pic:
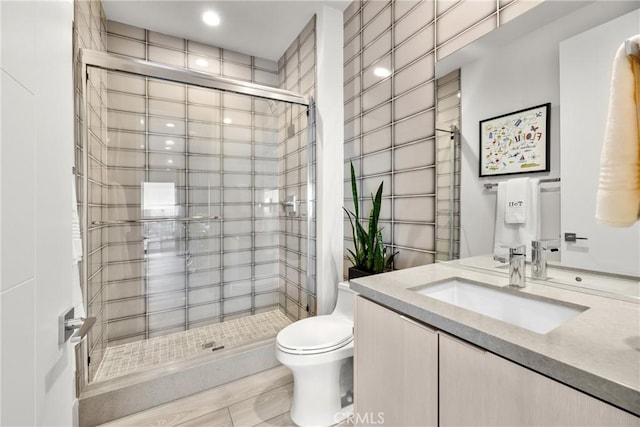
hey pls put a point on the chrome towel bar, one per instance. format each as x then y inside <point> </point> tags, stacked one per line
<point>158,219</point>
<point>489,186</point>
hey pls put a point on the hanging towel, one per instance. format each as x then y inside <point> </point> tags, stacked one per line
<point>505,234</point>
<point>76,250</point>
<point>618,200</point>
<point>518,198</point>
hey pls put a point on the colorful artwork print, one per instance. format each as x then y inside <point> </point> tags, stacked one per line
<point>515,143</point>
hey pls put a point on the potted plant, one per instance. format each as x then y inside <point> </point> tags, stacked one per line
<point>369,255</point>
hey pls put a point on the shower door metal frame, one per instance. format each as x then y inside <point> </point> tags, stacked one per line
<point>113,62</point>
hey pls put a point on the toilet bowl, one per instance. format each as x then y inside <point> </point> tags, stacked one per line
<point>319,352</point>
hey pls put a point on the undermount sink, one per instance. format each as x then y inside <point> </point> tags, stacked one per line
<point>537,314</point>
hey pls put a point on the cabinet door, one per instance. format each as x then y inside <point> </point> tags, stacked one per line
<point>478,388</point>
<point>396,368</point>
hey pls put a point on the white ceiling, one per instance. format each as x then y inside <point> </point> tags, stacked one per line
<point>259,28</point>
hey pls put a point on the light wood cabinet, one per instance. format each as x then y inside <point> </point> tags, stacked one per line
<point>408,374</point>
<point>396,368</point>
<point>479,388</point>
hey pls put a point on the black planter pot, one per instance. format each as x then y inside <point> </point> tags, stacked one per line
<point>354,273</point>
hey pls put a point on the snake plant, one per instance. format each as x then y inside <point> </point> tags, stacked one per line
<point>369,252</point>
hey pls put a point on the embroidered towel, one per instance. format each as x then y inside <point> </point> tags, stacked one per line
<point>517,201</point>
<point>512,234</point>
<point>618,199</point>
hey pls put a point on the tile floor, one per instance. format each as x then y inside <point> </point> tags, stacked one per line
<point>122,359</point>
<point>262,399</point>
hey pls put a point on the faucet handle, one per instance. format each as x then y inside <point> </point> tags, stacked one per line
<point>517,250</point>
<point>545,244</point>
<point>539,245</point>
<point>499,259</point>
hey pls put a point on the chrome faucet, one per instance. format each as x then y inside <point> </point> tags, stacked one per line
<point>517,271</point>
<point>539,259</point>
<point>539,250</point>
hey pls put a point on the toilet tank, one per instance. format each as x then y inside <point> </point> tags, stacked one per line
<point>345,302</point>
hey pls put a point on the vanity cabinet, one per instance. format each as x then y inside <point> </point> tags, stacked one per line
<point>416,376</point>
<point>479,388</point>
<point>396,368</point>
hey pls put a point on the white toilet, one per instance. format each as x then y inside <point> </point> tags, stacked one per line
<point>319,352</point>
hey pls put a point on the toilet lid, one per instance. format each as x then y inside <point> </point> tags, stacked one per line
<point>316,334</point>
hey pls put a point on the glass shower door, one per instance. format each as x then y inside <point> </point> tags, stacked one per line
<point>187,224</point>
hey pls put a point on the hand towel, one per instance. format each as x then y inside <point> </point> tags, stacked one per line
<point>517,201</point>
<point>76,250</point>
<point>618,199</point>
<point>506,235</point>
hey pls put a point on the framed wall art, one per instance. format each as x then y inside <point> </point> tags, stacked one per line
<point>514,143</point>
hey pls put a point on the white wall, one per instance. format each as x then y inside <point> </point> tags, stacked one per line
<point>585,77</point>
<point>516,74</point>
<point>330,139</point>
<point>36,146</point>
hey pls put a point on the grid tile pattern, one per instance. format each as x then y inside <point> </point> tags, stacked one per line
<point>293,155</point>
<point>140,43</point>
<point>204,273</point>
<point>448,168</point>
<point>390,50</point>
<point>90,32</point>
<point>297,165</point>
<point>123,359</point>
<point>215,154</point>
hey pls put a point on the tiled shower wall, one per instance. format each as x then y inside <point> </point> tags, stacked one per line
<point>166,277</point>
<point>248,257</point>
<point>448,167</point>
<point>297,73</point>
<point>390,51</point>
<point>115,280</point>
<point>90,33</point>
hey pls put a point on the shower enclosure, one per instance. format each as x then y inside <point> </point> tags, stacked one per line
<point>191,202</point>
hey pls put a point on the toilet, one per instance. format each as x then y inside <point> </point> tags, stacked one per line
<point>319,352</point>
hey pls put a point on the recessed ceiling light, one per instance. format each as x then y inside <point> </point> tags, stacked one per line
<point>201,62</point>
<point>227,120</point>
<point>167,148</point>
<point>458,94</point>
<point>170,125</point>
<point>211,18</point>
<point>141,121</point>
<point>169,161</point>
<point>169,142</point>
<point>381,72</point>
<point>142,146</point>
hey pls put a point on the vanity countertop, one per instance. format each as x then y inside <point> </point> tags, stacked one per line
<point>597,352</point>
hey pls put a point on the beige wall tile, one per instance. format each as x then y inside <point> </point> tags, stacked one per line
<point>467,37</point>
<point>128,47</point>
<point>421,16</point>
<point>415,47</point>
<point>462,16</point>
<point>377,140</point>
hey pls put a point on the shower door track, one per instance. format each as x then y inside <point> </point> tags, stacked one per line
<point>113,62</point>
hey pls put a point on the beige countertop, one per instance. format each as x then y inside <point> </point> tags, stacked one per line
<point>597,352</point>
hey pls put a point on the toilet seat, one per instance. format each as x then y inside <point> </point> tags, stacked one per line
<point>315,335</point>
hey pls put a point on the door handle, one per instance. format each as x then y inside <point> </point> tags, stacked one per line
<point>68,326</point>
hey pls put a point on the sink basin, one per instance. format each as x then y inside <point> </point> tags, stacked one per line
<point>536,314</point>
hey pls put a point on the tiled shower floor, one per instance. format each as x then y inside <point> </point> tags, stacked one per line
<point>123,359</point>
